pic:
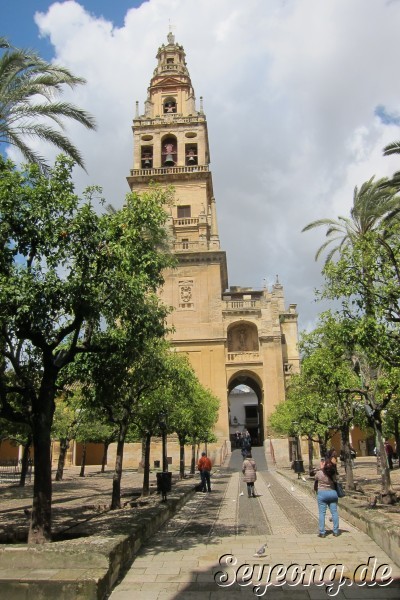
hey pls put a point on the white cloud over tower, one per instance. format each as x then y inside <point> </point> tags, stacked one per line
<point>290,93</point>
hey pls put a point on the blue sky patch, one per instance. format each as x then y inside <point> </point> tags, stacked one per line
<point>387,117</point>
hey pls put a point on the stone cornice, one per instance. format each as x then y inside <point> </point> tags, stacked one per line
<point>206,257</point>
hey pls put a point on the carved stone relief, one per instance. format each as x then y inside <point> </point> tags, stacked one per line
<point>186,293</point>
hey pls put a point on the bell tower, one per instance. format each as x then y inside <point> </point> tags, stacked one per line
<point>233,337</point>
<point>171,148</point>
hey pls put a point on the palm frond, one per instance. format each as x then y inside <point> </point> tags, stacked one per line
<point>393,148</point>
<point>24,76</point>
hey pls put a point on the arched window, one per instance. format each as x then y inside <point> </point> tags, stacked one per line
<point>169,154</point>
<point>243,337</point>
<point>191,155</point>
<point>147,157</point>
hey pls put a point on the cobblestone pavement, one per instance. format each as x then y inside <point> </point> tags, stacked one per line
<point>183,560</point>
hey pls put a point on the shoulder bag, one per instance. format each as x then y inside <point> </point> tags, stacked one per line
<point>340,491</point>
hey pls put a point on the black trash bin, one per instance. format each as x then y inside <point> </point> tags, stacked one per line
<point>164,480</point>
<point>298,466</point>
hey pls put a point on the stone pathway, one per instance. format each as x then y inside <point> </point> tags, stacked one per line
<point>207,550</point>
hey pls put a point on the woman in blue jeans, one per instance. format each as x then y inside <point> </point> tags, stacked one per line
<point>324,485</point>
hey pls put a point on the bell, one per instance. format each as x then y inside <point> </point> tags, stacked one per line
<point>169,161</point>
<point>191,160</point>
<point>147,163</point>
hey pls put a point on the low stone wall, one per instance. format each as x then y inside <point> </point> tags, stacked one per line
<point>380,528</point>
<point>87,566</point>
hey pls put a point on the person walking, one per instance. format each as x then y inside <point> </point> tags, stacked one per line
<point>204,466</point>
<point>246,445</point>
<point>324,486</point>
<point>249,470</point>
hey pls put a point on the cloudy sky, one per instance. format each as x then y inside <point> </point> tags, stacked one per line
<point>301,96</point>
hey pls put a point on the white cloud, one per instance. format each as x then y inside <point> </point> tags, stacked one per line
<point>290,88</point>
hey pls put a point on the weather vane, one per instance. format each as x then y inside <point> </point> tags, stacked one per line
<point>171,37</point>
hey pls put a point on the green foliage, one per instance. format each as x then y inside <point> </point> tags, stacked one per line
<point>373,204</point>
<point>367,282</point>
<point>28,88</point>
<point>73,282</point>
<point>68,274</point>
<point>313,402</point>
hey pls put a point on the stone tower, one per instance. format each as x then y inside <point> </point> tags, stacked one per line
<point>232,336</point>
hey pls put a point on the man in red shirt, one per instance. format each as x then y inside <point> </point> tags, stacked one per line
<point>204,466</point>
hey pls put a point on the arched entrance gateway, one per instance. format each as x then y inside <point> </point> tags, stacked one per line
<point>237,338</point>
<point>246,407</point>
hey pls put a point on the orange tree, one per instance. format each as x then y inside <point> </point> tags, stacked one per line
<point>67,275</point>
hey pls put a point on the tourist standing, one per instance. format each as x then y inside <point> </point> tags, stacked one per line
<point>325,487</point>
<point>204,466</point>
<point>246,444</point>
<point>249,470</point>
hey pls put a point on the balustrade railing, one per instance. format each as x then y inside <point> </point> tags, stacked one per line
<point>169,170</point>
<point>239,304</point>
<point>186,221</point>
<point>176,118</point>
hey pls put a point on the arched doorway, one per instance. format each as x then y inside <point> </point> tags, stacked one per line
<point>246,407</point>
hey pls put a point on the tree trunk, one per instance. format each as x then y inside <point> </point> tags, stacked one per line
<point>116,487</point>
<point>146,468</point>
<point>104,457</point>
<point>64,445</point>
<point>397,438</point>
<point>193,461</point>
<point>142,460</point>
<point>345,433</point>
<point>310,456</point>
<point>322,446</point>
<point>181,459</point>
<point>83,461</point>
<point>25,461</point>
<point>42,419</point>
<point>382,463</point>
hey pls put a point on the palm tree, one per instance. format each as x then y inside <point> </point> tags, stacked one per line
<point>393,148</point>
<point>28,86</point>
<point>373,205</point>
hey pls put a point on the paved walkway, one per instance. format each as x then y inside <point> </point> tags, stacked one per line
<point>207,550</point>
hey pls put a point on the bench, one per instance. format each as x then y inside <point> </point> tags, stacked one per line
<point>10,470</point>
